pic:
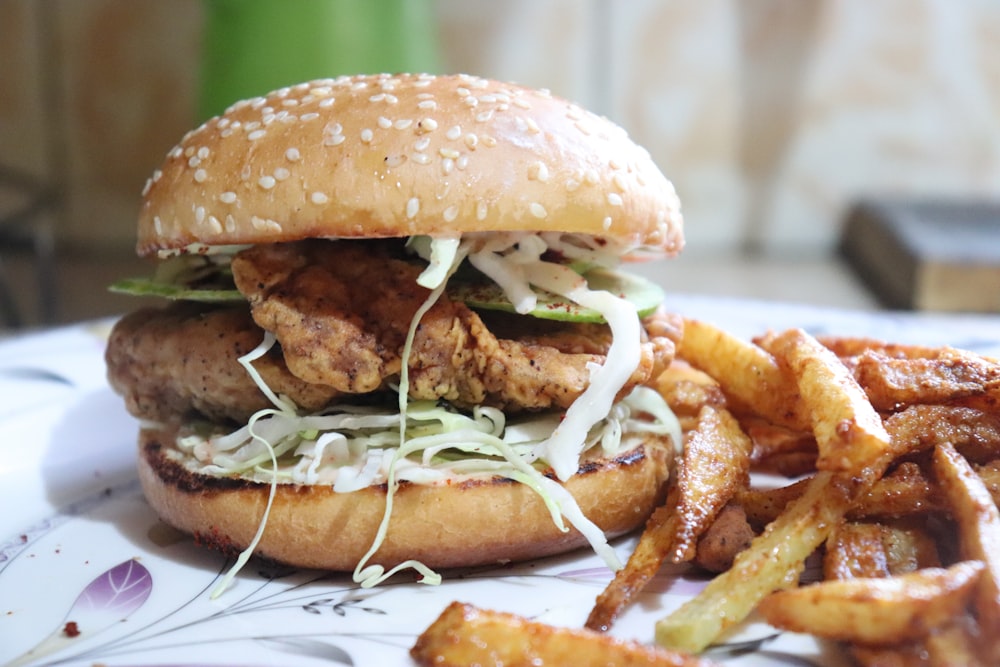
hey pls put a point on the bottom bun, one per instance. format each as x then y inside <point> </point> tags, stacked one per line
<point>464,523</point>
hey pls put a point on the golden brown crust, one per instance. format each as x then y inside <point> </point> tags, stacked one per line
<point>401,155</point>
<point>313,527</point>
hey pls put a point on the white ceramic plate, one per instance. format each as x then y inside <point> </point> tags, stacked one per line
<point>88,575</point>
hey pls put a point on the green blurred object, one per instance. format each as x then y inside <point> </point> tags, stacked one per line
<point>255,46</point>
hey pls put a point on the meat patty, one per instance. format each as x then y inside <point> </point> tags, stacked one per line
<point>340,312</point>
<point>181,361</point>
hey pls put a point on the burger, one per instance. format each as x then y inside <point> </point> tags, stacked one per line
<point>396,329</point>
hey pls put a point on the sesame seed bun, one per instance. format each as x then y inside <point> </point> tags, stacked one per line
<point>396,156</point>
<point>475,522</point>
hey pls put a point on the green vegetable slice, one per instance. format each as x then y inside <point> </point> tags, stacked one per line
<point>150,287</point>
<point>645,295</point>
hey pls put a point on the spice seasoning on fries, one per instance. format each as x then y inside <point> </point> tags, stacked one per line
<point>892,458</point>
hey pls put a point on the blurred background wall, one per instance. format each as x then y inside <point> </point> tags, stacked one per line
<point>770,116</point>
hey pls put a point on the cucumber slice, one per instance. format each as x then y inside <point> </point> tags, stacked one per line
<point>149,287</point>
<point>646,296</point>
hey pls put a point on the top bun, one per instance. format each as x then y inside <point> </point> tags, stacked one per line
<point>391,156</point>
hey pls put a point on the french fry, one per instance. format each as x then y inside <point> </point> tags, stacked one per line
<point>649,554</point>
<point>465,635</point>
<point>715,464</point>
<point>955,644</point>
<point>855,550</point>
<point>951,375</point>
<point>876,611</point>
<point>976,434</point>
<point>978,527</point>
<point>744,371</point>
<point>853,346</point>
<point>849,432</point>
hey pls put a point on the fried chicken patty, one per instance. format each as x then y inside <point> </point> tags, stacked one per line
<point>340,312</point>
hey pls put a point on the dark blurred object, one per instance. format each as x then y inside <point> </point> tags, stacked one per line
<point>254,46</point>
<point>25,227</point>
<point>927,255</point>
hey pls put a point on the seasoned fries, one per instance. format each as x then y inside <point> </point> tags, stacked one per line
<point>464,635</point>
<point>876,611</point>
<point>897,453</point>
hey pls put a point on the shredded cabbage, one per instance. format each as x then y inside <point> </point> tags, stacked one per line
<point>351,447</point>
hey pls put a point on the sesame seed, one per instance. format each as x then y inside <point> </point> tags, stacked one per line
<point>463,91</point>
<point>157,224</point>
<point>199,214</point>
<point>223,122</point>
<point>421,158</point>
<point>427,104</point>
<point>266,182</point>
<point>619,180</point>
<point>377,97</point>
<point>580,125</point>
<point>607,223</point>
<point>334,140</point>
<point>384,122</point>
<point>449,153</point>
<point>538,210</point>
<point>319,198</point>
<point>412,208</point>
<point>532,125</point>
<point>573,113</point>
<point>226,132</point>
<point>471,140</point>
<point>484,116</point>
<point>327,102</point>
<point>189,151</point>
<point>256,134</point>
<point>615,163</point>
<point>403,123</point>
<point>214,224</point>
<point>321,91</point>
<point>538,172</point>
<point>447,165</point>
<point>488,141</point>
<point>471,101</point>
<point>147,186</point>
<point>366,135</point>
<point>462,162</point>
<point>572,184</point>
<point>391,99</point>
<point>428,124</point>
<point>293,155</point>
<point>194,161</point>
<point>450,213</point>
<point>203,152</point>
<point>228,197</point>
<point>290,103</point>
<point>200,175</point>
<point>281,173</point>
<point>394,160</point>
<point>481,210</point>
<point>454,132</point>
<point>312,115</point>
<point>246,172</point>
<point>615,199</point>
<point>157,175</point>
<point>252,125</point>
<point>422,144</point>
<point>230,223</point>
<point>175,152</point>
<point>590,177</point>
<point>521,102</point>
